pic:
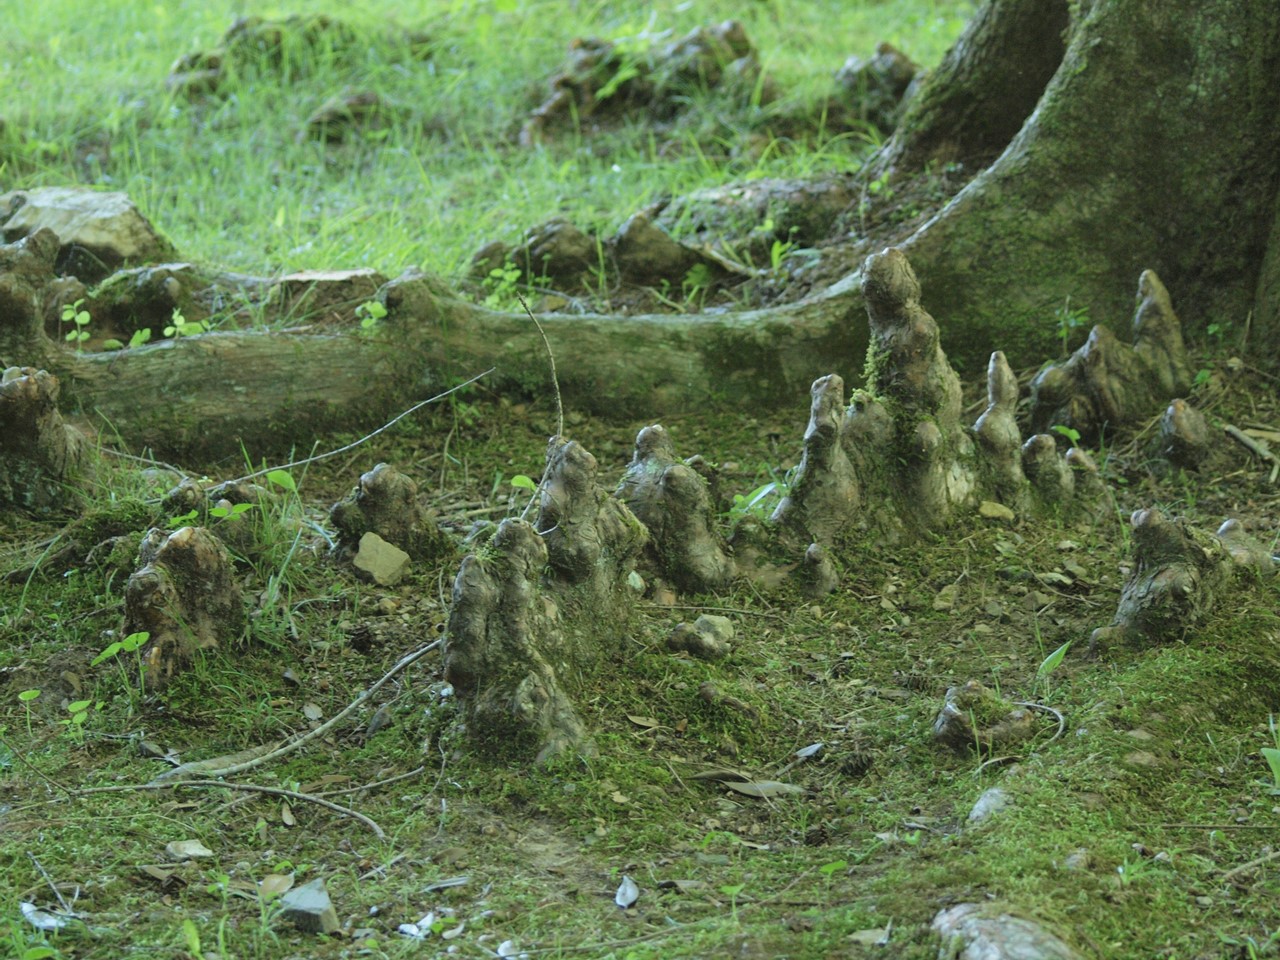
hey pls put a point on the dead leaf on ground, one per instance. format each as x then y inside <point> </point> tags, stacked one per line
<point>763,789</point>
<point>187,850</point>
<point>627,894</point>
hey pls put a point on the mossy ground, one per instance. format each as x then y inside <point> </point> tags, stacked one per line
<point>1159,778</point>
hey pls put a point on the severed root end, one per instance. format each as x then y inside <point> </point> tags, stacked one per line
<point>40,455</point>
<point>185,596</point>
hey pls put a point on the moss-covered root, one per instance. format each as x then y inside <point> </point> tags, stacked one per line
<point>592,539</point>
<point>999,439</point>
<point>1179,574</point>
<point>825,493</point>
<point>185,596</point>
<point>500,625</point>
<point>40,456</point>
<point>540,609</point>
<point>1109,383</point>
<point>26,273</point>
<point>386,503</point>
<point>673,500</point>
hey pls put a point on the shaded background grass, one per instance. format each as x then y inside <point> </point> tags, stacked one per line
<point>228,179</point>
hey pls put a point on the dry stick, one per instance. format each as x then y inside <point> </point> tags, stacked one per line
<point>1246,867</point>
<point>555,384</point>
<point>374,785</point>
<point>1257,448</point>
<point>36,770</point>
<point>325,727</point>
<point>1062,721</point>
<point>245,787</point>
<point>351,446</point>
<point>700,606</point>
<point>66,907</point>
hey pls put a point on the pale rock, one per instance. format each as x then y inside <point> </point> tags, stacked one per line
<point>379,561</point>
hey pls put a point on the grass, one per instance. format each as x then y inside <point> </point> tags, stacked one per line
<point>229,182</point>
<point>1161,779</point>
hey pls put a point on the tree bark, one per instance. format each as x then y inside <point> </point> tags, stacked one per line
<point>203,396</point>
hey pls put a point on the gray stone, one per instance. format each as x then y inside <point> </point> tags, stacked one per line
<point>106,226</point>
<point>991,802</point>
<point>383,563</point>
<point>309,908</point>
<point>972,931</point>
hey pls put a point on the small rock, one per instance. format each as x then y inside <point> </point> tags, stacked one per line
<point>972,930</point>
<point>309,908</point>
<point>946,598</point>
<point>97,231</point>
<point>709,638</point>
<point>1078,859</point>
<point>381,562</point>
<point>1142,758</point>
<point>990,510</point>
<point>991,802</point>
<point>1140,734</point>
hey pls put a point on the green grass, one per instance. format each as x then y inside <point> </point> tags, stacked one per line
<point>228,181</point>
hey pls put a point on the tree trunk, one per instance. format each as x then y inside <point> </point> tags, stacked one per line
<point>1146,135</point>
<point>1155,144</point>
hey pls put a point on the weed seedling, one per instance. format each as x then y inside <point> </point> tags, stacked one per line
<point>26,696</point>
<point>1069,320</point>
<point>1272,754</point>
<point>182,327</point>
<point>370,312</point>
<point>130,644</point>
<point>71,313</point>
<point>79,710</point>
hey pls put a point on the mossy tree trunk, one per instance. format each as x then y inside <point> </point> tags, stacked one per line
<point>1148,138</point>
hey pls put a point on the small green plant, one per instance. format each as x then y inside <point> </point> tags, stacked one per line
<point>138,339</point>
<point>697,284</point>
<point>764,499</point>
<point>133,643</point>
<point>733,891</point>
<point>79,710</point>
<point>1071,433</point>
<point>1069,320</point>
<point>25,697</point>
<point>231,512</point>
<point>71,313</point>
<point>1049,663</point>
<point>180,326</point>
<point>502,284</point>
<point>370,312</point>
<point>1272,754</point>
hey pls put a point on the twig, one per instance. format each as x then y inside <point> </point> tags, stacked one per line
<point>299,742</point>
<point>247,788</point>
<point>34,769</point>
<point>555,384</point>
<point>1256,447</point>
<point>66,907</point>
<point>1246,867</point>
<point>1219,826</point>
<point>372,786</point>
<point>351,446</point>
<point>147,460</point>
<point>1062,721</point>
